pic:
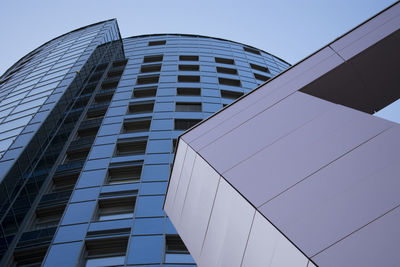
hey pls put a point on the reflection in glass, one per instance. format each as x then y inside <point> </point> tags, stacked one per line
<point>105,261</point>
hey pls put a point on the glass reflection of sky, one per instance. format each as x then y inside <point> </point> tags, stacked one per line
<point>391,112</point>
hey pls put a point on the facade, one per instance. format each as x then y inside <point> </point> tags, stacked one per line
<point>88,129</point>
<point>300,172</point>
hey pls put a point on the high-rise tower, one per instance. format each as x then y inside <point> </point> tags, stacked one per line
<point>88,127</point>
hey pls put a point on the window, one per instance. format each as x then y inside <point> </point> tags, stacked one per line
<point>47,218</point>
<point>224,60</point>
<point>89,132</point>
<point>63,183</point>
<point>118,174</point>
<point>31,257</point>
<point>189,67</point>
<point>231,82</point>
<point>261,77</point>
<point>119,63</point>
<point>187,107</point>
<point>260,68</point>
<point>145,91</point>
<point>226,70</point>
<point>188,78</point>
<point>103,98</point>
<point>251,50</point>
<point>105,252</point>
<point>136,125</point>
<point>109,85</point>
<point>189,58</point>
<point>115,209</point>
<point>141,107</point>
<point>162,42</point>
<point>101,67</point>
<point>176,251</point>
<point>112,74</point>
<point>97,111</point>
<point>188,91</point>
<point>184,124</point>
<point>131,146</point>
<point>150,68</point>
<point>77,155</point>
<point>147,79</point>
<point>230,94</point>
<point>150,59</point>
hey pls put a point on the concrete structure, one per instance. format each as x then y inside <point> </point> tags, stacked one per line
<point>88,127</point>
<point>299,172</point>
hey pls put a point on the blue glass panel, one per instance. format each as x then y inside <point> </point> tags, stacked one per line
<point>147,226</point>
<point>150,206</point>
<point>145,249</point>
<point>71,233</point>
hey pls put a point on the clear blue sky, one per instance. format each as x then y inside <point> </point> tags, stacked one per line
<point>290,29</point>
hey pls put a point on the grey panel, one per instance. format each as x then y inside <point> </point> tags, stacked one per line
<point>184,180</point>
<point>198,205</point>
<point>369,33</point>
<point>228,229</point>
<point>263,130</point>
<point>275,90</point>
<point>175,175</point>
<point>267,247</point>
<point>340,198</point>
<point>377,244</point>
<point>301,153</point>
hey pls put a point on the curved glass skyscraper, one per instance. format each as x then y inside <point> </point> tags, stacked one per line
<point>88,127</point>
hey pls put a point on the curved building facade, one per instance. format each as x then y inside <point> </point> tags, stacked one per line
<point>88,128</point>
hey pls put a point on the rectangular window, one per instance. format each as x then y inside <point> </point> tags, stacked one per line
<point>231,82</point>
<point>105,252</point>
<point>148,79</point>
<point>119,63</point>
<point>144,91</point>
<point>153,43</point>
<point>189,67</point>
<point>188,58</point>
<point>131,146</point>
<point>75,156</point>
<point>251,50</point>
<point>47,218</point>
<point>226,70</point>
<point>150,68</point>
<point>124,174</point>
<point>151,59</point>
<point>176,251</point>
<point>115,209</point>
<point>112,74</point>
<point>224,60</point>
<point>260,68</point>
<point>188,91</point>
<point>187,107</point>
<point>188,78</point>
<point>184,124</point>
<point>141,107</point>
<point>63,183</point>
<point>230,94</point>
<point>136,125</point>
<point>261,77</point>
<point>109,85</point>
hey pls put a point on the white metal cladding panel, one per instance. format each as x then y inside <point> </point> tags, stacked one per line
<point>228,229</point>
<point>267,247</point>
<point>175,176</point>
<point>198,205</point>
